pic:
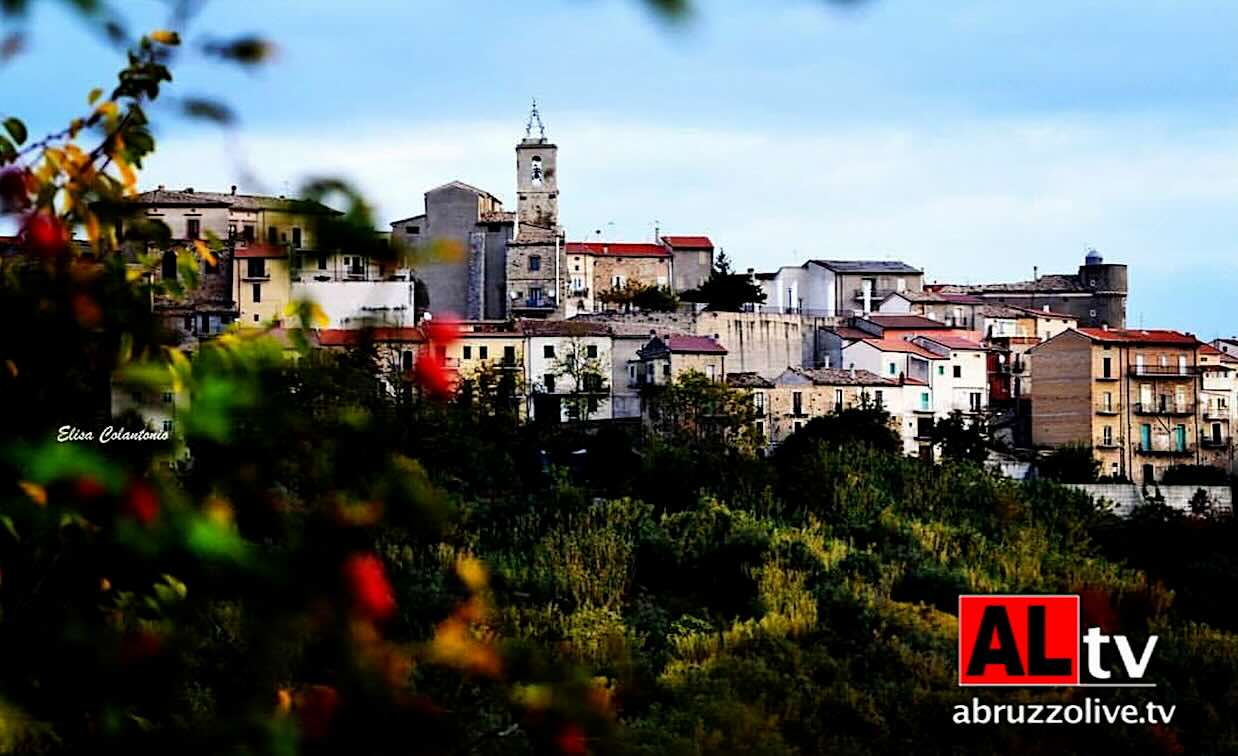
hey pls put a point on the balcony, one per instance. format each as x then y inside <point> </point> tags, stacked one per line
<point>1162,371</point>
<point>1112,408</point>
<point>1165,408</point>
<point>1216,413</point>
<point>253,276</point>
<point>1166,449</point>
<point>1208,441</point>
<point>534,304</point>
<point>877,294</point>
<point>579,292</point>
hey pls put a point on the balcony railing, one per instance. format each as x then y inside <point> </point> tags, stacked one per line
<point>1110,444</point>
<point>1168,448</point>
<point>1162,371</point>
<point>1165,408</point>
<point>583,292</point>
<point>535,304</point>
<point>1112,408</point>
<point>1216,413</point>
<point>1213,442</point>
<point>877,294</point>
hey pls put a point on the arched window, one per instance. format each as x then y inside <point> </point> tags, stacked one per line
<point>168,267</point>
<point>535,175</point>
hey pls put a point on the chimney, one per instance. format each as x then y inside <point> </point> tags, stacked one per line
<point>189,190</point>
<point>1046,308</point>
<point>234,190</point>
<point>1104,326</point>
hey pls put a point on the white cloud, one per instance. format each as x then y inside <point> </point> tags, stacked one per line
<point>975,200</point>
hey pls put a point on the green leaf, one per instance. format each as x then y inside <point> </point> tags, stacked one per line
<point>94,96</point>
<point>16,129</point>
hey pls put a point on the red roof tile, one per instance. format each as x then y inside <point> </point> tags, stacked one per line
<point>955,342</point>
<point>1139,336</point>
<point>904,322</point>
<point>617,249</point>
<point>329,337</point>
<point>688,242</point>
<point>694,344</point>
<point>260,250</point>
<point>898,345</point>
<point>1210,350</point>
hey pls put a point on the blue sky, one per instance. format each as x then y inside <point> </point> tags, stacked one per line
<point>975,139</point>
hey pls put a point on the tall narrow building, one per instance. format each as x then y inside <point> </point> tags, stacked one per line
<point>536,257</point>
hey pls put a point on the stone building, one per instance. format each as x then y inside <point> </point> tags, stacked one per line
<point>1095,295</point>
<point>536,258</point>
<point>665,358</point>
<point>459,250</point>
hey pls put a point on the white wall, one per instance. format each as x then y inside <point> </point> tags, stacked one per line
<point>354,304</point>
<point>537,365</point>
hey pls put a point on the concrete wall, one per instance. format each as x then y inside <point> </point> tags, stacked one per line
<point>355,304</point>
<point>1126,497</point>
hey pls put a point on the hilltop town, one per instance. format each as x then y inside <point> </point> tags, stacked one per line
<point>589,330</point>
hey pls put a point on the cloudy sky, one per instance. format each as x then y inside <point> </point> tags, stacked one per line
<point>973,138</point>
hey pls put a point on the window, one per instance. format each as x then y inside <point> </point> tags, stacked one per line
<point>592,382</point>
<point>188,322</point>
<point>167,268</point>
<point>535,263</point>
<point>536,296</point>
<point>666,369</point>
<point>893,368</point>
<point>710,372</point>
<point>467,352</point>
<point>797,426</point>
<point>1180,438</point>
<point>414,230</point>
<point>924,401</point>
<point>296,237</point>
<point>167,426</point>
<point>509,354</point>
<point>1216,433</point>
<point>167,397</point>
<point>193,228</point>
<point>535,170</point>
<point>272,235</point>
<point>975,398</point>
<point>1181,364</point>
<point>1107,404</point>
<point>958,371</point>
<point>760,430</point>
<point>549,381</point>
<point>247,234</point>
<point>231,231</point>
<point>880,397</point>
<point>1139,363</point>
<point>758,399</point>
<point>1145,437</point>
<point>548,351</point>
<point>591,351</point>
<point>1106,368</point>
<point>941,369</point>
<point>482,352</point>
<point>406,360</point>
<point>797,403</point>
<point>1108,435</point>
<point>255,317</point>
<point>257,293</point>
<point>256,267</point>
<point>838,397</point>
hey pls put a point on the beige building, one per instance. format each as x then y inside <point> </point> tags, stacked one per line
<point>1132,395</point>
<point>801,394</point>
<point>595,268</point>
<point>1218,384</point>
<point>665,358</point>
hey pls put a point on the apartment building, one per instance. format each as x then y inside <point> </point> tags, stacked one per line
<point>837,288</point>
<point>963,381</point>
<point>665,358</point>
<point>1131,394</point>
<point>568,368</point>
<point>1218,384</point>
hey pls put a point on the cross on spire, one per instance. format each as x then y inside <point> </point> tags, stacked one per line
<point>535,117</point>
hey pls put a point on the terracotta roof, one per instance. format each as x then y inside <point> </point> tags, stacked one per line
<point>1139,336</point>
<point>847,332</point>
<point>694,344</point>
<point>955,342</point>
<point>688,242</point>
<point>260,250</point>
<point>748,380</point>
<point>1211,351</point>
<point>843,377</point>
<point>617,249</point>
<point>1043,313</point>
<point>562,328</point>
<point>192,198</point>
<point>348,337</point>
<point>900,322</point>
<point>898,345</point>
<point>937,296</point>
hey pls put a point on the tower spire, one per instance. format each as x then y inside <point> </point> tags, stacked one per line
<point>535,117</point>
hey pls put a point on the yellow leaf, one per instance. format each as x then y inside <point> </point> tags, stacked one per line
<point>127,175</point>
<point>472,573</point>
<point>92,228</point>
<point>94,96</point>
<point>165,37</point>
<point>37,493</point>
<point>204,251</point>
<point>108,108</point>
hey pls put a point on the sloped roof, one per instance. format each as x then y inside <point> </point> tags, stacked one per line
<point>530,327</point>
<point>867,266</point>
<point>748,380</point>
<point>955,342</point>
<point>1139,336</point>
<point>464,186</point>
<point>898,345</point>
<point>618,249</point>
<point>943,297</point>
<point>843,377</point>
<point>693,344</point>
<point>688,242</point>
<point>193,198</point>
<point>1048,282</point>
<point>905,322</point>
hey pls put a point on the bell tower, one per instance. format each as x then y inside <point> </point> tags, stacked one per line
<point>536,256</point>
<point>537,184</point>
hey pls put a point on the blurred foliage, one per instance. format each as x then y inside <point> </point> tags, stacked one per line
<point>1071,463</point>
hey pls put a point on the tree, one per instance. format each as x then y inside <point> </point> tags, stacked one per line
<point>963,438</point>
<point>586,374</point>
<point>645,297</point>
<point>692,411</point>
<point>726,290</point>
<point>866,425</point>
<point>1072,463</point>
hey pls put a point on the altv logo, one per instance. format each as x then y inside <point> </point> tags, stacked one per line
<point>1032,640</point>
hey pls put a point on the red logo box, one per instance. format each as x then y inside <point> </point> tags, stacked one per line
<point>1019,640</point>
